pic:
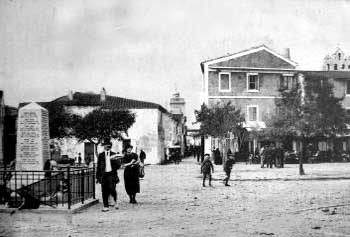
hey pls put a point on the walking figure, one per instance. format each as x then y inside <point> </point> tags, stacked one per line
<point>227,168</point>
<point>206,169</point>
<point>262,156</point>
<point>107,175</point>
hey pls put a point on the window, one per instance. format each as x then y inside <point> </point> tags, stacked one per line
<point>339,56</point>
<point>328,67</point>
<point>288,81</point>
<point>349,66</point>
<point>252,82</point>
<point>335,67</point>
<point>343,66</point>
<point>348,87</point>
<point>224,81</point>
<point>322,146</point>
<point>252,113</point>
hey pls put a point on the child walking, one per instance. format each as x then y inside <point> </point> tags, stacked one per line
<point>227,168</point>
<point>206,168</point>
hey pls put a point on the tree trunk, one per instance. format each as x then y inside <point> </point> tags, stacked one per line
<point>202,151</point>
<point>301,158</point>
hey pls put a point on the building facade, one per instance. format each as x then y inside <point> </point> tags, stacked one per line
<point>252,80</point>
<point>153,131</point>
<point>249,80</point>
<point>337,61</point>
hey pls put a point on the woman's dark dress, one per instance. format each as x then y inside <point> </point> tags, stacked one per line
<point>131,175</point>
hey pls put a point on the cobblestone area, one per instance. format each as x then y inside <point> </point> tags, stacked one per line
<point>172,202</point>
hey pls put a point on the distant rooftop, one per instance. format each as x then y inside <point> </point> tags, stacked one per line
<point>328,74</point>
<point>110,102</point>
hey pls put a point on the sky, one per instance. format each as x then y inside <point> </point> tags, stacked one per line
<point>147,49</point>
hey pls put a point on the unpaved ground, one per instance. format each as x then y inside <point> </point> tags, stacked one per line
<point>173,203</point>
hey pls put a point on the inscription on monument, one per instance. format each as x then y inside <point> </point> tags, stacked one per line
<point>32,137</point>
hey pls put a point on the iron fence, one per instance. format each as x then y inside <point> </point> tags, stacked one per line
<point>55,188</point>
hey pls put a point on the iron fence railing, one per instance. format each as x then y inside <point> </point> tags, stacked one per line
<point>55,188</point>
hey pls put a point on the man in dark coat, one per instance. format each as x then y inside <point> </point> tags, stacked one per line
<point>107,174</point>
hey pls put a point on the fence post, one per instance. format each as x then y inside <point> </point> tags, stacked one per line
<point>82,184</point>
<point>69,187</point>
<point>93,180</point>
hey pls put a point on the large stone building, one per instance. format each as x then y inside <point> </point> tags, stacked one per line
<point>338,61</point>
<point>154,130</point>
<point>252,80</point>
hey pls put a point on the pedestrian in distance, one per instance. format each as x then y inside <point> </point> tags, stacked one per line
<point>198,154</point>
<point>207,168</point>
<point>271,156</point>
<point>250,158</point>
<point>131,174</point>
<point>142,156</point>
<point>227,168</point>
<point>262,156</point>
<point>79,159</point>
<point>107,175</point>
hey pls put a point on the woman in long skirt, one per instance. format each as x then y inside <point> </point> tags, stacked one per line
<point>131,174</point>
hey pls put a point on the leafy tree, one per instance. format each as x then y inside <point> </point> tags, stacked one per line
<point>102,124</point>
<point>61,122</point>
<point>219,120</point>
<point>96,126</point>
<point>309,111</point>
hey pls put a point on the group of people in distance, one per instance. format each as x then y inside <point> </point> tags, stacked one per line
<point>207,168</point>
<point>271,155</point>
<point>107,175</point>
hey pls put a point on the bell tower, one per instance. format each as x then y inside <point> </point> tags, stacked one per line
<point>177,104</point>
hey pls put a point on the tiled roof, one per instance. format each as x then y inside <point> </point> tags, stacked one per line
<point>111,102</point>
<point>259,47</point>
<point>230,54</point>
<point>328,74</point>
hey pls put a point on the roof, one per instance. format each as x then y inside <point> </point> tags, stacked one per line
<point>111,102</point>
<point>246,52</point>
<point>328,74</point>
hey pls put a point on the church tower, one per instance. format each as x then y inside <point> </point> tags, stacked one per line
<point>177,104</point>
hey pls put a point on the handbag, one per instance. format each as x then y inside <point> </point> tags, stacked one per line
<point>141,171</point>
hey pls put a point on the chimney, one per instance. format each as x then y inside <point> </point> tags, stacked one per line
<point>70,95</point>
<point>103,94</point>
<point>287,53</point>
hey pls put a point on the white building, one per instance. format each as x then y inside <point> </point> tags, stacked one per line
<point>154,129</point>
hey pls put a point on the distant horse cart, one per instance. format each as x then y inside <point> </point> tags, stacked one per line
<point>174,154</point>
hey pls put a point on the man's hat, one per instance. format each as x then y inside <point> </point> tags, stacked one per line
<point>128,146</point>
<point>107,142</point>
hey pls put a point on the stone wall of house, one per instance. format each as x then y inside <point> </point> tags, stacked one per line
<point>266,107</point>
<point>80,110</point>
<point>269,84</point>
<point>144,134</point>
<point>260,59</point>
